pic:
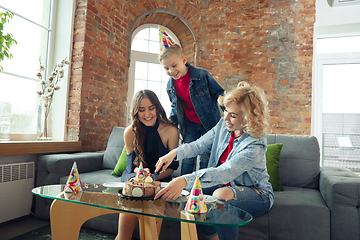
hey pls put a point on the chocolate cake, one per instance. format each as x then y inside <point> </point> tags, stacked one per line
<point>141,188</point>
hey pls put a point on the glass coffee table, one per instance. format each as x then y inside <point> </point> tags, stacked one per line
<point>70,210</point>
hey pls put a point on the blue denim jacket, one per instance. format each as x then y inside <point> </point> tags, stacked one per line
<point>245,165</point>
<point>204,92</point>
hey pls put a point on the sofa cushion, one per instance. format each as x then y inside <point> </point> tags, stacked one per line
<point>297,213</point>
<point>114,148</point>
<point>272,165</point>
<point>121,164</point>
<point>299,160</point>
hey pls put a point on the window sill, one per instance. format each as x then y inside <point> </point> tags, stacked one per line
<point>35,147</point>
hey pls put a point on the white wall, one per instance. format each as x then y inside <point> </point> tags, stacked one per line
<point>332,20</point>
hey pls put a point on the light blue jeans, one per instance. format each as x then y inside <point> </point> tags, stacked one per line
<point>246,199</point>
<point>193,132</point>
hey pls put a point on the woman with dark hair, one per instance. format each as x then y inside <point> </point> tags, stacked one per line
<point>236,171</point>
<point>150,136</point>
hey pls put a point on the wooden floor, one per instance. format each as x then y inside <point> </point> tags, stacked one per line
<point>20,226</point>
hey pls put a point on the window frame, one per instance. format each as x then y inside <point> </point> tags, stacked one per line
<point>61,38</point>
<point>143,57</point>
<point>317,84</point>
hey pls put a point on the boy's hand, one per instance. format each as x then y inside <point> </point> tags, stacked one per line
<point>164,161</point>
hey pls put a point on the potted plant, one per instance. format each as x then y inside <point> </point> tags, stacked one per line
<point>5,40</point>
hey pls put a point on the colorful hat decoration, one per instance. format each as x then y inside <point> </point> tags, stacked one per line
<point>140,175</point>
<point>195,202</point>
<point>165,40</point>
<point>73,183</point>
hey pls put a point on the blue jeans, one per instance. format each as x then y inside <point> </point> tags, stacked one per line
<point>246,199</point>
<point>193,132</point>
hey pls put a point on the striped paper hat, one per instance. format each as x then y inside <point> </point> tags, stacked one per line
<point>73,183</point>
<point>165,40</point>
<point>140,175</point>
<point>195,202</point>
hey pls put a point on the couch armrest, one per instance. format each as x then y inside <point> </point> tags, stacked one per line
<point>340,189</point>
<point>50,168</point>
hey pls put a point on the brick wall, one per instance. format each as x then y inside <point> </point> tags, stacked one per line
<point>268,43</point>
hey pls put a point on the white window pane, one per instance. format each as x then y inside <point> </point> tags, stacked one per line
<point>165,100</point>
<point>154,72</point>
<point>155,87</point>
<point>154,47</point>
<point>20,96</point>
<point>140,45</point>
<point>35,10</point>
<point>164,94</point>
<point>141,70</point>
<point>143,34</point>
<point>338,45</point>
<point>164,76</point>
<point>341,83</point>
<point>140,85</point>
<point>154,34</point>
<point>341,115</point>
<point>30,46</point>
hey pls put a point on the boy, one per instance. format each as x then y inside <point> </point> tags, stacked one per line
<point>193,93</point>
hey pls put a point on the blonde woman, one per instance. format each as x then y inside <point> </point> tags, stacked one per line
<point>237,167</point>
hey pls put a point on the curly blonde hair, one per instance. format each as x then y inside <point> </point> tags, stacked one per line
<point>254,107</point>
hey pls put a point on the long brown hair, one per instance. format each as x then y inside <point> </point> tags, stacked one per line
<point>139,129</point>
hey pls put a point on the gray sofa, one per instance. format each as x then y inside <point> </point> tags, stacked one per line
<point>317,203</point>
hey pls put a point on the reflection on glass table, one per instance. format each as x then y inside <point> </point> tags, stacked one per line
<point>71,210</point>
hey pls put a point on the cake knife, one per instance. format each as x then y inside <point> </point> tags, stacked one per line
<point>155,175</point>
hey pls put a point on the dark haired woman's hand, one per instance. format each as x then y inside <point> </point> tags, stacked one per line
<point>164,161</point>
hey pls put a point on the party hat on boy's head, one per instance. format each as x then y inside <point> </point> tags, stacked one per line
<point>73,183</point>
<point>165,40</point>
<point>195,202</point>
<point>140,175</point>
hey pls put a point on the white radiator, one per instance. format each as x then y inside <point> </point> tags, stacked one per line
<point>16,182</point>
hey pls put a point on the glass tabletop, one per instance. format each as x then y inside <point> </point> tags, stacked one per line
<point>218,213</point>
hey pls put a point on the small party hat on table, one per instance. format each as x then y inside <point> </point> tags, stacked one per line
<point>73,183</point>
<point>195,202</point>
<point>165,40</point>
<point>140,175</point>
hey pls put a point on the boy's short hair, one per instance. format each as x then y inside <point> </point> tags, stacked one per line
<point>174,49</point>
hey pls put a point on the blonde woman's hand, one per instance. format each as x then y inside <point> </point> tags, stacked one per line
<point>173,190</point>
<point>164,161</point>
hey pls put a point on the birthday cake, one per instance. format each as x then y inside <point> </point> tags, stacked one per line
<point>141,188</point>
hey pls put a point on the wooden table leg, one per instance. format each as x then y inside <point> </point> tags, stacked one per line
<point>66,218</point>
<point>149,227</point>
<point>188,230</point>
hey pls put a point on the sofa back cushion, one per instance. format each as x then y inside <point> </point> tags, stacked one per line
<point>299,160</point>
<point>114,147</point>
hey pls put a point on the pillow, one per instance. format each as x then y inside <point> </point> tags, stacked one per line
<point>272,164</point>
<point>121,164</point>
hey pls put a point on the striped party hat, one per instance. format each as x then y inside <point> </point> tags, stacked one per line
<point>73,183</point>
<point>140,175</point>
<point>195,202</point>
<point>165,40</point>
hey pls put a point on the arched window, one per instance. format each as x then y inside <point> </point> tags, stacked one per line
<point>145,70</point>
